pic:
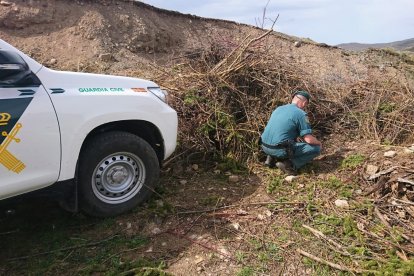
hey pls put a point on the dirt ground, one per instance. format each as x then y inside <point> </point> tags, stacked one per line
<point>205,220</point>
<point>209,217</point>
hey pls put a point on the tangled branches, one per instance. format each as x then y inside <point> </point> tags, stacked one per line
<point>224,98</point>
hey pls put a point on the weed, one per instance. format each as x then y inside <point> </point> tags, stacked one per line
<point>393,266</point>
<point>274,184</point>
<point>273,251</point>
<point>256,244</point>
<point>332,183</point>
<point>212,200</point>
<point>191,97</point>
<point>229,163</point>
<point>263,257</point>
<point>318,269</point>
<point>352,161</point>
<point>240,256</point>
<point>246,271</point>
<point>328,224</point>
<point>359,250</point>
<point>387,107</point>
<point>350,228</point>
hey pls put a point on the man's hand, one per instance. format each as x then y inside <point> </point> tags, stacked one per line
<point>310,139</point>
<point>300,140</point>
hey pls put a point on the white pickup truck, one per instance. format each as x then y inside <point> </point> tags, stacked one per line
<point>93,141</point>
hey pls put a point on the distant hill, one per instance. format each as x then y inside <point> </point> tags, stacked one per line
<point>403,45</point>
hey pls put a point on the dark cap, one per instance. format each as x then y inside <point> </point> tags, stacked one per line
<point>302,93</point>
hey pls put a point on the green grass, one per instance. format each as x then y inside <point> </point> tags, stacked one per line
<point>352,161</point>
<point>274,185</point>
<point>246,271</point>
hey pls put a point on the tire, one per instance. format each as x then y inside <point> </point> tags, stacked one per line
<point>117,171</point>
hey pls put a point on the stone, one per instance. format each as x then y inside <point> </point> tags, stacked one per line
<point>233,178</point>
<point>224,253</point>
<point>53,61</point>
<point>409,150</point>
<point>390,154</point>
<point>194,167</point>
<point>298,44</point>
<point>198,259</point>
<point>105,57</point>
<point>290,178</point>
<point>236,225</point>
<point>371,169</point>
<point>341,203</point>
<point>5,3</point>
<point>156,231</point>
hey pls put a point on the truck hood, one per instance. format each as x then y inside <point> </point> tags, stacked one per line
<point>88,80</point>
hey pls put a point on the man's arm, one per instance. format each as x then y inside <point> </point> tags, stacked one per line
<point>310,139</point>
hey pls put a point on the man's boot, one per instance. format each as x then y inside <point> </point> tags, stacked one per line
<point>270,161</point>
<point>286,167</point>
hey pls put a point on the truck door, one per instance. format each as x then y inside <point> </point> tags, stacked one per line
<point>29,131</point>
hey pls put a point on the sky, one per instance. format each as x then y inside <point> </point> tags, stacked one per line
<point>325,21</point>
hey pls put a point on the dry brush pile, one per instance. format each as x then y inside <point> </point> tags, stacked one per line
<point>224,97</point>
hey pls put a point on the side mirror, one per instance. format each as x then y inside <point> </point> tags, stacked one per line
<point>14,71</point>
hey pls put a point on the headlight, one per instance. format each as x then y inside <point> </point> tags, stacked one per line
<point>161,94</point>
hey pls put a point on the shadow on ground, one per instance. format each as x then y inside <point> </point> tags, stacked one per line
<point>41,238</point>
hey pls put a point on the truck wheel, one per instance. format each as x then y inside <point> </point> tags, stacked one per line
<point>117,171</point>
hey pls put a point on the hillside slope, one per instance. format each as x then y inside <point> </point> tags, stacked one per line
<point>403,45</point>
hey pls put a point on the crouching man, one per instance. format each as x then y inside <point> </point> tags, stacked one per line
<point>288,136</point>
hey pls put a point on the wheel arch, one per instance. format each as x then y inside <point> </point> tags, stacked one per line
<point>144,129</point>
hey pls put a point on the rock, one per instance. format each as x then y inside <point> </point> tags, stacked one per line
<point>233,178</point>
<point>5,3</point>
<point>106,57</point>
<point>408,150</point>
<point>371,169</point>
<point>156,231</point>
<point>268,213</point>
<point>260,217</point>
<point>194,167</point>
<point>241,212</point>
<point>290,178</point>
<point>390,153</point>
<point>236,225</point>
<point>341,203</point>
<point>298,44</point>
<point>224,253</point>
<point>198,259</point>
<point>164,244</point>
<point>52,61</point>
